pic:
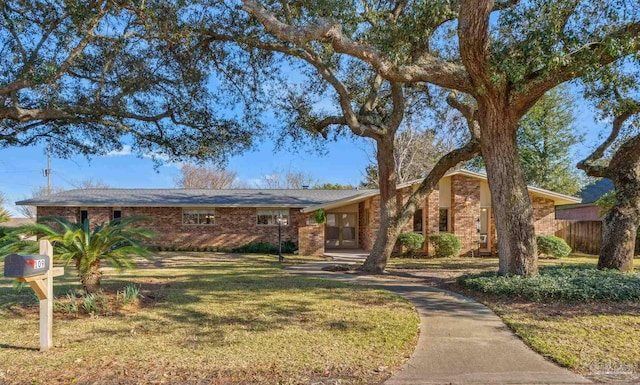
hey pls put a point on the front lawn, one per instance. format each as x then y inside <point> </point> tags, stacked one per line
<point>573,314</point>
<point>485,263</point>
<point>213,318</point>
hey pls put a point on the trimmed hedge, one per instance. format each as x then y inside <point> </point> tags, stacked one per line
<point>560,284</point>
<point>445,245</point>
<point>552,246</point>
<point>288,247</point>
<point>410,242</point>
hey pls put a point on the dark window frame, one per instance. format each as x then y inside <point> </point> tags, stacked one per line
<point>201,216</point>
<point>84,214</point>
<point>443,221</point>
<point>417,220</point>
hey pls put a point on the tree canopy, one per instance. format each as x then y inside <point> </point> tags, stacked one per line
<point>504,54</point>
<point>86,76</point>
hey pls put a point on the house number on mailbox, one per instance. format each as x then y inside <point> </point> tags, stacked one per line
<point>36,263</point>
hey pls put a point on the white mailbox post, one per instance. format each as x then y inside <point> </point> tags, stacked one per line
<point>42,284</point>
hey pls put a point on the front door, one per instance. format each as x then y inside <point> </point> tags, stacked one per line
<point>340,231</point>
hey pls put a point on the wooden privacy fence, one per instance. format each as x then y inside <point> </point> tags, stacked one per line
<point>584,236</point>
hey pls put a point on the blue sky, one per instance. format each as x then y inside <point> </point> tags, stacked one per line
<point>344,162</point>
<point>21,169</point>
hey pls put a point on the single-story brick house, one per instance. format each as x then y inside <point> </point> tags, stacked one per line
<point>199,218</point>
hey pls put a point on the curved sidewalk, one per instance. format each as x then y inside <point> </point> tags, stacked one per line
<point>461,341</point>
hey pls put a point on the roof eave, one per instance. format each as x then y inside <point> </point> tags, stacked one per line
<point>339,202</point>
<point>120,204</point>
<point>558,198</point>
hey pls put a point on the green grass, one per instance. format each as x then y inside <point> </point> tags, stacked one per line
<point>594,338</point>
<point>590,339</point>
<point>485,263</point>
<point>214,318</point>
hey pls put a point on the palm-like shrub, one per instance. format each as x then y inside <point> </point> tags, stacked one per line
<point>4,215</point>
<point>115,242</point>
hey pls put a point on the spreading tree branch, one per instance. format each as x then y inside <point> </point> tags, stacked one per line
<point>596,54</point>
<point>589,164</point>
<point>427,68</point>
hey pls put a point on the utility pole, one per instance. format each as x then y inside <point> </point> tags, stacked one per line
<point>47,171</point>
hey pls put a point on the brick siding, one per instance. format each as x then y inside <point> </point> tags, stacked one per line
<point>544,216</point>
<point>310,237</point>
<point>432,216</point>
<point>234,226</point>
<point>465,202</point>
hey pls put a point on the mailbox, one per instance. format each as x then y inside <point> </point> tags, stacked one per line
<point>22,266</point>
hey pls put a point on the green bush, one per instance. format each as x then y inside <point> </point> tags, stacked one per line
<point>410,242</point>
<point>445,245</point>
<point>320,217</point>
<point>560,284</point>
<point>288,247</point>
<point>552,246</point>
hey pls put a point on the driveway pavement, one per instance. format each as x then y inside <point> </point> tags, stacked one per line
<point>461,341</point>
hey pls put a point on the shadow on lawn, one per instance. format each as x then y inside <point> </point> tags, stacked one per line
<point>5,346</point>
<point>177,295</point>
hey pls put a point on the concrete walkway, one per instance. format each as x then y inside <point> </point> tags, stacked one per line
<point>461,341</point>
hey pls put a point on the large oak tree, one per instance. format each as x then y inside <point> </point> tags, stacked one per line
<point>618,158</point>
<point>88,76</point>
<point>505,54</point>
<point>361,102</point>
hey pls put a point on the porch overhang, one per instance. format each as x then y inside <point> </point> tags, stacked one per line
<point>341,202</point>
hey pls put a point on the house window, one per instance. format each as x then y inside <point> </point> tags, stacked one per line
<point>199,217</point>
<point>270,217</point>
<point>84,215</point>
<point>117,214</point>
<point>417,221</point>
<point>443,222</point>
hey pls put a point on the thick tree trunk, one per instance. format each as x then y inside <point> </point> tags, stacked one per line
<point>510,199</point>
<point>619,239</point>
<point>90,279</point>
<point>389,229</point>
<point>622,221</point>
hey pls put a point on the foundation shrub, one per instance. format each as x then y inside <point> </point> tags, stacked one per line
<point>552,246</point>
<point>445,245</point>
<point>411,243</point>
<point>288,247</point>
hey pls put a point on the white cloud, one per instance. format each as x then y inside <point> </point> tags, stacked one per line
<point>125,150</point>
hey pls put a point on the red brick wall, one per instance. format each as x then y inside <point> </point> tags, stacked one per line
<point>544,216</point>
<point>402,196</point>
<point>465,206</point>
<point>99,215</point>
<point>310,237</point>
<point>369,222</point>
<point>71,214</point>
<point>432,215</point>
<point>235,226</point>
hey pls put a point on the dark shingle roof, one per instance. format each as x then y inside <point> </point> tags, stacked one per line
<point>192,197</point>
